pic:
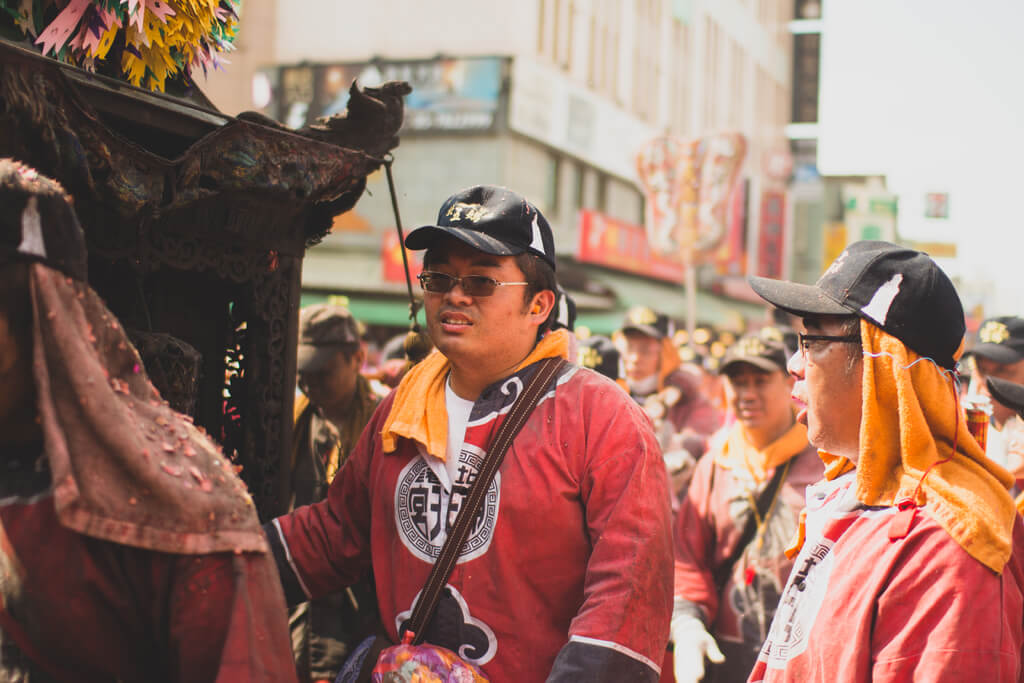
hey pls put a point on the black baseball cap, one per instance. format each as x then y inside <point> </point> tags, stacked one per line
<point>38,222</point>
<point>646,320</point>
<point>494,220</point>
<point>1000,340</point>
<point>898,289</point>
<point>1010,394</point>
<point>761,351</point>
<point>600,354</point>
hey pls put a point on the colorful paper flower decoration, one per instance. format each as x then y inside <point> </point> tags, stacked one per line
<point>148,40</point>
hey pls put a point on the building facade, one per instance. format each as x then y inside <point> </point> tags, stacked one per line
<point>553,98</point>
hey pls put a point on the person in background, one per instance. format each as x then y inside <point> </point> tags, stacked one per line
<point>683,417</point>
<point>391,367</point>
<point>739,514</point>
<point>999,353</point>
<point>335,405</point>
<point>566,575</point>
<point>908,562</point>
<point>600,354</point>
<point>129,549</point>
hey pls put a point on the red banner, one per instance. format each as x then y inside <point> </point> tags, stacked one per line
<point>771,238</point>
<point>391,266</point>
<point>730,257</point>
<point>612,243</point>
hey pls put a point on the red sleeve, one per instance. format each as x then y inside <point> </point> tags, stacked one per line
<point>627,601</point>
<point>324,547</point>
<point>695,542</point>
<point>227,620</point>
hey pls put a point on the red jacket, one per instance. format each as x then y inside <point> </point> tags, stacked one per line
<point>568,575</point>
<point>102,612</point>
<point>860,607</point>
<point>709,524</point>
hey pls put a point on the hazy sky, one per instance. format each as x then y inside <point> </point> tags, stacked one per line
<point>930,94</point>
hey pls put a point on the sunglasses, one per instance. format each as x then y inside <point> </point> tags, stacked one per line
<point>806,339</point>
<point>472,285</point>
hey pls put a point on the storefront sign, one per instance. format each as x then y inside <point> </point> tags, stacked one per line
<point>616,244</point>
<point>447,94</point>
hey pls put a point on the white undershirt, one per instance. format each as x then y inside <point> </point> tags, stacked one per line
<point>458,418</point>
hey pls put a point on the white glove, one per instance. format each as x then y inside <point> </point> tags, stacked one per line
<point>692,644</point>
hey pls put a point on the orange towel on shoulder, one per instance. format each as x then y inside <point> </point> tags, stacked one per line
<point>418,411</point>
<point>738,453</point>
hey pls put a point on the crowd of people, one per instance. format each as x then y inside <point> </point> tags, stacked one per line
<point>810,504</point>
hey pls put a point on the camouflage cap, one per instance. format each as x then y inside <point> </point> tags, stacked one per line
<point>324,329</point>
<point>764,351</point>
<point>646,320</point>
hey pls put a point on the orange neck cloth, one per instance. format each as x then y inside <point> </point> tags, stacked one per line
<point>738,453</point>
<point>909,418</point>
<point>418,411</point>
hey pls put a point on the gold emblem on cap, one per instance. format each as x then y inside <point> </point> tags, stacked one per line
<point>750,346</point>
<point>588,357</point>
<point>471,212</point>
<point>993,332</point>
<point>771,334</point>
<point>643,316</point>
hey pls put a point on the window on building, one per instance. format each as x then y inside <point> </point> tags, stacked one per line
<point>579,174</point>
<point>602,193</point>
<point>807,9</point>
<point>551,184</point>
<point>613,51</point>
<point>806,60</point>
<point>570,34</point>
<point>542,24</point>
<point>680,79</point>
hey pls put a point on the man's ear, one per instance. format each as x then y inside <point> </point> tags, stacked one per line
<point>541,305</point>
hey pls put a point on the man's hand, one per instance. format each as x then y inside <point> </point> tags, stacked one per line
<point>692,644</point>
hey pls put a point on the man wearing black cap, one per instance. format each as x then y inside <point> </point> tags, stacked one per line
<point>336,404</point>
<point>683,417</point>
<point>1010,394</point>
<point>908,564</point>
<point>738,515</point>
<point>599,353</point>
<point>999,353</point>
<point>566,575</point>
<point>129,549</point>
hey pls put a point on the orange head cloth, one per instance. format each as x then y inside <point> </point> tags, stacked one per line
<point>418,411</point>
<point>910,415</point>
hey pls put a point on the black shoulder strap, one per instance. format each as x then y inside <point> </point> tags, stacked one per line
<point>762,504</point>
<point>546,371</point>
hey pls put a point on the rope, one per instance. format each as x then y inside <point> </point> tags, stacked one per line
<point>414,306</point>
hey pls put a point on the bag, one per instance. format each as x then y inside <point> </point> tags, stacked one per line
<point>376,659</point>
<point>408,663</point>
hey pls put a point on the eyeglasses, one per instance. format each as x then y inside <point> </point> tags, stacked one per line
<point>472,285</point>
<point>805,340</point>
